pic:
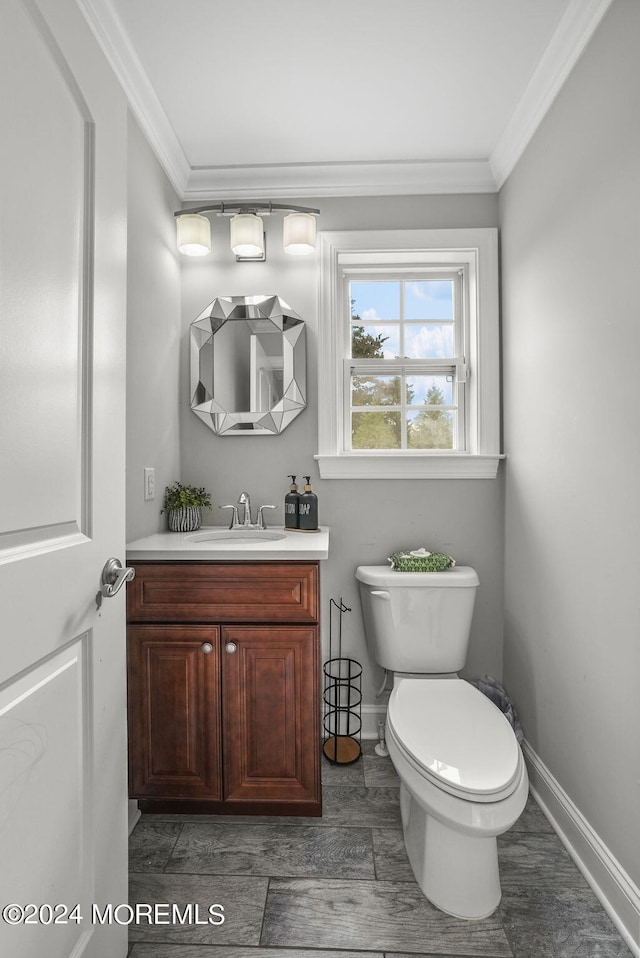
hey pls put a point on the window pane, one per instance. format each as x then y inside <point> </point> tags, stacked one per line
<point>376,390</point>
<point>429,299</point>
<point>375,342</point>
<point>375,430</point>
<point>431,429</point>
<point>429,342</point>
<point>371,301</point>
<point>433,390</point>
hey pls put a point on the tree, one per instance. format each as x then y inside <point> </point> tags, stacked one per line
<point>376,429</point>
<point>431,428</point>
<point>372,430</point>
<point>364,345</point>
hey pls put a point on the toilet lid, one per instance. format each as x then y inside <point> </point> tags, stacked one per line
<point>457,736</point>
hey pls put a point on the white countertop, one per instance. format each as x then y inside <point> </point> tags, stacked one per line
<point>184,546</point>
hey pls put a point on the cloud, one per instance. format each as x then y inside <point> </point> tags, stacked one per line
<point>430,342</point>
<point>432,290</point>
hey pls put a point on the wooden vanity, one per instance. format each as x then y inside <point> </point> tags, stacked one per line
<point>224,686</point>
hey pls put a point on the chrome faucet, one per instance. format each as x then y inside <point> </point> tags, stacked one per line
<point>245,500</point>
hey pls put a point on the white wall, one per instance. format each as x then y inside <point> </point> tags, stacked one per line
<point>153,336</point>
<point>369,520</point>
<point>570,217</point>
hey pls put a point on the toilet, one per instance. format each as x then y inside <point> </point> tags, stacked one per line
<point>463,780</point>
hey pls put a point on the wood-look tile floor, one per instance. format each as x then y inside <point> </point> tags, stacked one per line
<point>340,886</point>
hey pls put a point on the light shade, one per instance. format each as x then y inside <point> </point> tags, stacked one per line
<point>193,234</point>
<point>299,233</point>
<point>247,235</point>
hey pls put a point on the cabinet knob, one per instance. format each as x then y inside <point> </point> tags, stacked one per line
<point>207,648</point>
<point>231,647</point>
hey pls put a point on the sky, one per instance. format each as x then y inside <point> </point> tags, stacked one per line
<point>426,302</point>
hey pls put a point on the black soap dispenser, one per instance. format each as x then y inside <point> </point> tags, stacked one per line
<point>308,508</point>
<point>291,503</point>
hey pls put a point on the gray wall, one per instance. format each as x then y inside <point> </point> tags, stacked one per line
<point>570,218</point>
<point>370,519</point>
<point>153,336</point>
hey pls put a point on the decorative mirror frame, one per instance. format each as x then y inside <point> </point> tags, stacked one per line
<point>261,313</point>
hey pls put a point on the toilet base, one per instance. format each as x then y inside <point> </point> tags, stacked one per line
<point>457,872</point>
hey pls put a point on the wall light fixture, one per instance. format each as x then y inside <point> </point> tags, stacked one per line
<point>193,228</point>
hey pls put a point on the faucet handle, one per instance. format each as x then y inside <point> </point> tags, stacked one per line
<point>234,515</point>
<point>261,522</point>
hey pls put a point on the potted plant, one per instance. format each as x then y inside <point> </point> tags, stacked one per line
<point>184,506</point>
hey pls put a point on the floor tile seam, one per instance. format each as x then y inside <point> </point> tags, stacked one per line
<point>279,825</point>
<point>270,877</point>
<point>264,913</point>
<point>173,848</point>
<point>290,822</point>
<point>533,881</point>
<point>409,882</point>
<point>458,954</point>
<point>324,824</point>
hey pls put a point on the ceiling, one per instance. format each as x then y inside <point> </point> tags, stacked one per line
<point>340,97</point>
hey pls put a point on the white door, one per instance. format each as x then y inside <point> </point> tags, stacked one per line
<point>62,333</point>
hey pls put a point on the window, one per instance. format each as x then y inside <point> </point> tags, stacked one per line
<point>405,375</point>
<point>408,366</point>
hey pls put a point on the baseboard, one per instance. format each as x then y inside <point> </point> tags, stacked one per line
<point>618,894</point>
<point>134,814</point>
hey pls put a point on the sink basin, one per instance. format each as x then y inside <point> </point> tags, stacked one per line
<point>235,535</point>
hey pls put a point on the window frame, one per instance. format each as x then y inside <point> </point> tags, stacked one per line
<point>454,365</point>
<point>347,253</point>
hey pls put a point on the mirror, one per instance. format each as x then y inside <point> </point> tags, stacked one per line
<point>248,365</point>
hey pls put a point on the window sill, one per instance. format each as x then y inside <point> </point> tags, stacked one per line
<point>398,466</point>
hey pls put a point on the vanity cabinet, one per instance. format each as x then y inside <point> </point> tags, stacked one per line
<point>223,687</point>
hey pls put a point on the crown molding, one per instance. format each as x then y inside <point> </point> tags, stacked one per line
<point>404,177</point>
<point>114,41</point>
<point>567,44</point>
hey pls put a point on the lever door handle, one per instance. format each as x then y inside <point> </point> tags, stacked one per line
<point>114,576</point>
<point>381,594</point>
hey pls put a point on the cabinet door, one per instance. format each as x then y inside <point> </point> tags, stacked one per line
<point>174,709</point>
<point>271,732</point>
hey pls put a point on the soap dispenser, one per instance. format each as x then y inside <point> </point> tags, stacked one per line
<point>308,508</point>
<point>291,502</point>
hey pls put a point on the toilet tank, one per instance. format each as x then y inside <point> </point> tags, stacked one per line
<point>418,621</point>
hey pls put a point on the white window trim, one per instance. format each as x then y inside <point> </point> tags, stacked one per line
<point>477,249</point>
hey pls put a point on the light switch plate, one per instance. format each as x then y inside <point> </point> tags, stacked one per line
<point>149,482</point>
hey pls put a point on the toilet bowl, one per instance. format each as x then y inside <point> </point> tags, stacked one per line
<point>463,782</point>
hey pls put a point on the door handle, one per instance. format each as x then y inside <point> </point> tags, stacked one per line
<point>114,576</point>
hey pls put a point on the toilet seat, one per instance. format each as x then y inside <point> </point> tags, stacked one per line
<point>455,737</point>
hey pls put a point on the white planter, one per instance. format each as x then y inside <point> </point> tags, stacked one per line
<point>187,519</point>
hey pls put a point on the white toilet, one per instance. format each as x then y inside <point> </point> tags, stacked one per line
<point>463,780</point>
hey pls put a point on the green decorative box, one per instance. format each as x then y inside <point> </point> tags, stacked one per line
<point>420,561</point>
